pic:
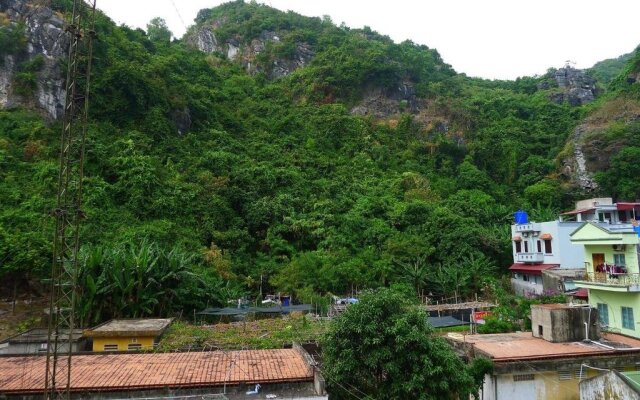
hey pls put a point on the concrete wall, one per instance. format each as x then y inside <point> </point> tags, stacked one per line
<point>122,342</point>
<point>545,385</point>
<point>291,391</point>
<point>564,324</point>
<point>608,386</point>
<point>614,302</point>
<point>630,255</point>
<point>37,348</point>
<point>524,288</point>
<point>563,252</point>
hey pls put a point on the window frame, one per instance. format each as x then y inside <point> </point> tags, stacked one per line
<point>628,321</point>
<point>548,248</point>
<point>603,307</point>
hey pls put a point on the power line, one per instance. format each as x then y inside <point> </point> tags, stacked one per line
<point>178,12</point>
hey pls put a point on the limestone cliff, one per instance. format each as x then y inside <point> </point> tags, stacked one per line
<point>574,86</point>
<point>44,38</point>
<point>254,54</point>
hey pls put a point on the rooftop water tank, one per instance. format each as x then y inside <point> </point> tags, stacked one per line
<point>521,217</point>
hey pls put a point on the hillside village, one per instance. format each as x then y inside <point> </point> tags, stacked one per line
<point>277,207</point>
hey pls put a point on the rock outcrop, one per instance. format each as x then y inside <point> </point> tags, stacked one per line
<point>45,37</point>
<point>247,52</point>
<point>382,103</point>
<point>576,87</point>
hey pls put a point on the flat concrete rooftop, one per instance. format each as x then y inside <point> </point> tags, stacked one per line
<point>522,345</point>
<point>142,326</point>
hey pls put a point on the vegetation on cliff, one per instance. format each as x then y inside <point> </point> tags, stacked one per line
<point>254,185</point>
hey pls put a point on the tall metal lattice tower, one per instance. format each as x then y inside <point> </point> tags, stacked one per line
<point>68,213</point>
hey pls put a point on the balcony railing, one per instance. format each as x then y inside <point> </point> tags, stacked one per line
<point>529,257</point>
<point>528,227</point>
<point>625,279</point>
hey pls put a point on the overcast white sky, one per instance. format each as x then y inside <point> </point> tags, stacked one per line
<point>495,39</point>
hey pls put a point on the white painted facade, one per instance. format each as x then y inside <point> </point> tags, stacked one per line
<point>534,251</point>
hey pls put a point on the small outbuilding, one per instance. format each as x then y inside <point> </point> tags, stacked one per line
<point>127,334</point>
<point>34,341</point>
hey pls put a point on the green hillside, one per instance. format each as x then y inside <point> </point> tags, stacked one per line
<point>206,182</point>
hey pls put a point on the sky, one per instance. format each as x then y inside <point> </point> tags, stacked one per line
<point>492,39</point>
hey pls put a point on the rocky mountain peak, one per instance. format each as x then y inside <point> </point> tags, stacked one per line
<point>576,87</point>
<point>248,52</point>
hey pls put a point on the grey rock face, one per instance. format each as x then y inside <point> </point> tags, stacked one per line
<point>576,168</point>
<point>44,31</point>
<point>383,103</point>
<point>205,40</point>
<point>577,88</point>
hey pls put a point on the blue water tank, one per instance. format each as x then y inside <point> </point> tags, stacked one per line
<point>285,301</point>
<point>637,229</point>
<point>521,217</point>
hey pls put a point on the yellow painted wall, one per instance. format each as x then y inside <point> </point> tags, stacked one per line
<point>122,342</point>
<point>630,256</point>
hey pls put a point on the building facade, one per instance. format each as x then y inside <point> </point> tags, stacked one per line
<point>546,248</point>
<point>127,334</point>
<point>34,341</point>
<point>612,278</point>
<point>541,246</point>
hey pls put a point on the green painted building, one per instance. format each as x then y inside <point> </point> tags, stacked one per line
<point>613,274</point>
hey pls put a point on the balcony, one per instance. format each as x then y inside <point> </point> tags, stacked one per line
<point>625,282</point>
<point>534,258</point>
<point>529,227</point>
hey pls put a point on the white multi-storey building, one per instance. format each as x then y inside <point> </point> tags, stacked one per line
<point>545,248</point>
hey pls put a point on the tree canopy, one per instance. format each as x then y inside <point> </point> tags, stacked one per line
<point>383,348</point>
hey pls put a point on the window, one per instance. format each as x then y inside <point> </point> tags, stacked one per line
<point>518,246</point>
<point>564,374</point>
<point>539,246</point>
<point>43,347</point>
<point>134,346</point>
<point>523,377</point>
<point>627,318</point>
<point>547,247</point>
<point>526,247</point>
<point>540,330</point>
<point>622,215</point>
<point>133,340</point>
<point>110,347</point>
<point>603,314</point>
<point>580,373</point>
<point>618,259</point>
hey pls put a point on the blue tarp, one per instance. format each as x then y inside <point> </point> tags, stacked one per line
<point>443,322</point>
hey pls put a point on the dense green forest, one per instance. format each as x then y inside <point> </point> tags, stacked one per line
<point>276,185</point>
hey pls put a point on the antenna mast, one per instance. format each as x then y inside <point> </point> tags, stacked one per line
<point>68,213</point>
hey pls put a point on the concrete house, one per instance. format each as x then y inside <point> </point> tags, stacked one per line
<point>34,341</point>
<point>127,334</point>
<point>612,279</point>
<point>551,362</point>
<point>545,257</point>
<point>543,246</point>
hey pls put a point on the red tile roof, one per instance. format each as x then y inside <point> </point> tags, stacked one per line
<point>578,211</point>
<point>106,372</point>
<point>531,269</point>
<point>581,293</point>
